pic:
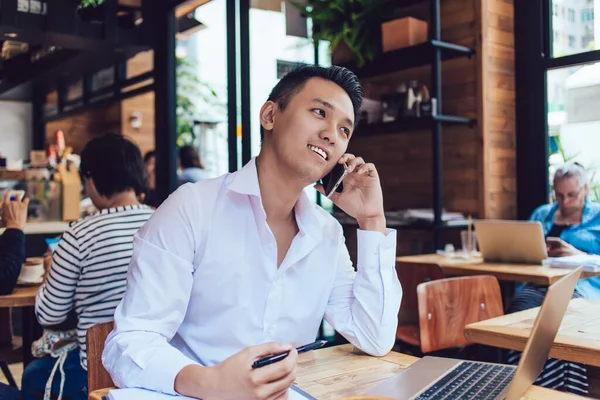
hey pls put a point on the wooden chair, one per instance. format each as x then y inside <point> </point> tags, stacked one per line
<point>410,276</point>
<point>10,347</point>
<point>98,377</point>
<point>446,306</point>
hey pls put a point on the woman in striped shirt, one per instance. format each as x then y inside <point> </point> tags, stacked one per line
<point>89,267</point>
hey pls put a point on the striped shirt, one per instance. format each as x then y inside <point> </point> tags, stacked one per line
<point>89,269</point>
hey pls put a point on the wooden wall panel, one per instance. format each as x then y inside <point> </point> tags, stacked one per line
<point>81,128</point>
<point>143,136</point>
<point>497,96</point>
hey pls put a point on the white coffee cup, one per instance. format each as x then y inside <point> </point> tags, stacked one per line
<point>32,271</point>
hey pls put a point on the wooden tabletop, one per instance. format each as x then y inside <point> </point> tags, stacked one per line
<point>578,339</point>
<point>22,296</point>
<point>508,272</point>
<point>342,371</point>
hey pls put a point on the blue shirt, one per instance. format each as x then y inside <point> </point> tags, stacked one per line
<point>192,175</point>
<point>584,236</point>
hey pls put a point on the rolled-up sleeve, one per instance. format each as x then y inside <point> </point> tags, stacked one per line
<point>137,352</point>
<point>363,306</point>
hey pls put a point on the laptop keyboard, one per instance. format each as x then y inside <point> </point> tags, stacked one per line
<point>470,380</point>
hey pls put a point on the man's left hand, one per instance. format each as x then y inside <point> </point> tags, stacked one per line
<point>362,197</point>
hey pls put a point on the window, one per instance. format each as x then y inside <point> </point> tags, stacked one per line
<point>587,15</point>
<point>576,32</point>
<point>571,41</point>
<point>573,95</point>
<point>563,78</point>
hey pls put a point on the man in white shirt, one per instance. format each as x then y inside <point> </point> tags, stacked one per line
<point>232,269</point>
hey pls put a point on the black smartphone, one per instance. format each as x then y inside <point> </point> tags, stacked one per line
<point>333,181</point>
<point>278,357</point>
<point>553,241</point>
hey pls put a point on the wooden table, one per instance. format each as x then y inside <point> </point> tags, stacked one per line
<point>24,296</point>
<point>578,339</point>
<point>341,371</point>
<point>507,272</point>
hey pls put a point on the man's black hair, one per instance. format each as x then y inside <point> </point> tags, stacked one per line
<point>115,164</point>
<point>294,81</point>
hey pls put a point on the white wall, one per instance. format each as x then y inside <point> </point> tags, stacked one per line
<point>15,129</point>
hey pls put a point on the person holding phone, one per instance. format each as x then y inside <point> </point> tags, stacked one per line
<point>237,268</point>
<point>12,241</point>
<point>572,226</point>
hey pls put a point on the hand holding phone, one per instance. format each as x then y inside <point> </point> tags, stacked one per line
<point>554,241</point>
<point>14,209</point>
<point>333,181</point>
<point>16,195</point>
<point>278,357</point>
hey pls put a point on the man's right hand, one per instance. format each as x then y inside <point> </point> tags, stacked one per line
<point>234,378</point>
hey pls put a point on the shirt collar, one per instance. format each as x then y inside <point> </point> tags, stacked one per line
<point>245,181</point>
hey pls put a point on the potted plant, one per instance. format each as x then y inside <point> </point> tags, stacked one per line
<point>352,27</point>
<point>91,10</point>
<point>94,11</point>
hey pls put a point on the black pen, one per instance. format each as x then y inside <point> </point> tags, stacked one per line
<point>302,349</point>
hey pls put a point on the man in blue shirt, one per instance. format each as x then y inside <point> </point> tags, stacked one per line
<point>573,223</point>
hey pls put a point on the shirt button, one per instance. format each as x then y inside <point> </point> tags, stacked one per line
<point>271,247</point>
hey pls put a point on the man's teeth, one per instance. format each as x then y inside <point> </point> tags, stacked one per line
<point>318,151</point>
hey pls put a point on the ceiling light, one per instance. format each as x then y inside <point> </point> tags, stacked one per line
<point>11,35</point>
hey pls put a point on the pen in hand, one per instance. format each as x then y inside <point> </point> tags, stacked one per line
<point>278,357</point>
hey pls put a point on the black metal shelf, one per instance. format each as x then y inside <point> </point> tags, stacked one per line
<point>409,57</point>
<point>409,124</point>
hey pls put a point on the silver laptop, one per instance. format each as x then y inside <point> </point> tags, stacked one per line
<point>511,241</point>
<point>434,378</point>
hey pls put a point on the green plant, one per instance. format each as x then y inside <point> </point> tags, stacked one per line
<point>91,3</point>
<point>190,91</point>
<point>357,23</point>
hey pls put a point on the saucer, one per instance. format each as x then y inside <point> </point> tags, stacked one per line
<point>31,283</point>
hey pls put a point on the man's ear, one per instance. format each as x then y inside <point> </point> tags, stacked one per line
<point>267,115</point>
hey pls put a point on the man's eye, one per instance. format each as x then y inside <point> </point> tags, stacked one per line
<point>346,131</point>
<point>319,111</point>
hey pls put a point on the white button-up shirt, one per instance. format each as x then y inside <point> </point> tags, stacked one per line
<point>203,283</point>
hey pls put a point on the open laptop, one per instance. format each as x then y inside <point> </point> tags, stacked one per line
<point>511,241</point>
<point>434,378</point>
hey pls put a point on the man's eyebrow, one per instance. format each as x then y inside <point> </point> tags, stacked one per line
<point>325,103</point>
<point>331,107</point>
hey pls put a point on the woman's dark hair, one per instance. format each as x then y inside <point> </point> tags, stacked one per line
<point>149,155</point>
<point>115,164</point>
<point>189,157</point>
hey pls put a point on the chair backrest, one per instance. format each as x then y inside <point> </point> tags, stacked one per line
<point>98,377</point>
<point>410,276</point>
<point>446,306</point>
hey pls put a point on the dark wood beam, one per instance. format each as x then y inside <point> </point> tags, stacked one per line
<point>103,103</point>
<point>20,69</point>
<point>165,27</point>
<point>62,27</point>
